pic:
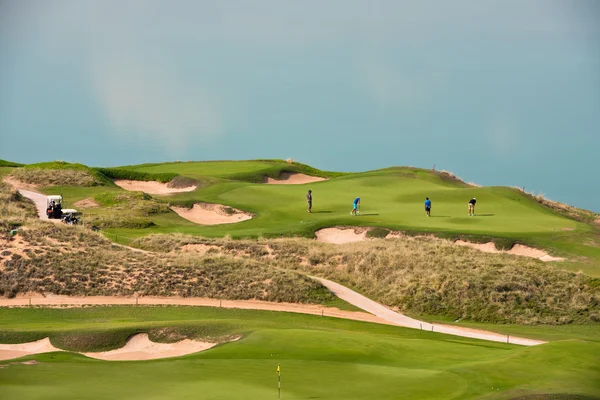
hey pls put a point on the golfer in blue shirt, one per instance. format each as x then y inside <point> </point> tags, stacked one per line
<point>427,206</point>
<point>355,206</point>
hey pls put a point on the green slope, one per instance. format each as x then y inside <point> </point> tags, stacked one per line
<point>320,358</point>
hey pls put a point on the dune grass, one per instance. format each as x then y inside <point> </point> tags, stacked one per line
<point>320,357</point>
<point>424,275</point>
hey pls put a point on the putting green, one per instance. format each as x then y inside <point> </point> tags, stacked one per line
<point>319,357</point>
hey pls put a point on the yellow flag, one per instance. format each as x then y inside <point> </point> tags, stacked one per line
<point>278,369</point>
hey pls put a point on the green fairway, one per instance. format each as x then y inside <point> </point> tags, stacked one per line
<point>320,357</point>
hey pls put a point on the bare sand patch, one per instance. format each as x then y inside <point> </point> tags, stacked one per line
<point>86,203</point>
<point>517,250</point>
<point>200,249</point>
<point>140,347</point>
<point>341,235</point>
<point>287,178</point>
<point>151,187</point>
<point>10,351</point>
<point>212,214</point>
<point>17,184</point>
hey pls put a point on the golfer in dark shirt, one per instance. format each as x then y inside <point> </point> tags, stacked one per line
<point>309,200</point>
<point>472,207</point>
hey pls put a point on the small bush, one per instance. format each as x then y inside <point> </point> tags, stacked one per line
<point>118,173</point>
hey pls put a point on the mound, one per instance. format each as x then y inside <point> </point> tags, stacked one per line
<point>517,250</point>
<point>341,236</point>
<point>140,347</point>
<point>212,214</point>
<point>151,187</point>
<point>287,178</point>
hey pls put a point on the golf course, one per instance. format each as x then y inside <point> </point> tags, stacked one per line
<point>522,266</point>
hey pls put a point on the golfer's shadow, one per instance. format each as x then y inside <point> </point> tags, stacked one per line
<point>366,215</point>
<point>322,212</point>
<point>484,215</point>
<point>439,216</point>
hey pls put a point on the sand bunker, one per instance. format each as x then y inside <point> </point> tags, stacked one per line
<point>287,178</point>
<point>517,250</point>
<point>340,235</point>
<point>151,187</point>
<point>10,351</point>
<point>140,347</point>
<point>212,214</point>
<point>86,203</point>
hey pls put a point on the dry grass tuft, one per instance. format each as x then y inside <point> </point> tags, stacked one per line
<point>55,177</point>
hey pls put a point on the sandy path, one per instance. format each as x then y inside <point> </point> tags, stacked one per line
<point>211,214</point>
<point>151,187</point>
<point>286,178</point>
<point>139,347</point>
<point>39,200</point>
<point>385,313</point>
<point>517,250</point>
<point>58,301</point>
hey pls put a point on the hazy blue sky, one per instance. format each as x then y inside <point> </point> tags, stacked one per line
<point>499,92</point>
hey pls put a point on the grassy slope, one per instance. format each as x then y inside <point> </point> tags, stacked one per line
<point>391,198</point>
<point>320,358</point>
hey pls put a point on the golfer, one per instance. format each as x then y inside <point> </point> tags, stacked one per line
<point>309,200</point>
<point>427,206</point>
<point>355,206</point>
<point>472,207</point>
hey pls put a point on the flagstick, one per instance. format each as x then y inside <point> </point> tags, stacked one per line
<point>278,383</point>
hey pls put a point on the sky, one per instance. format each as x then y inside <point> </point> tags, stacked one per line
<point>498,92</point>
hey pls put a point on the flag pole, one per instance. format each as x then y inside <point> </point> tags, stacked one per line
<point>278,382</point>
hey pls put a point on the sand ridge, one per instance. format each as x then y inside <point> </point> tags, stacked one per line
<point>151,187</point>
<point>10,351</point>
<point>212,214</point>
<point>140,347</point>
<point>341,235</point>
<point>292,178</point>
<point>517,250</point>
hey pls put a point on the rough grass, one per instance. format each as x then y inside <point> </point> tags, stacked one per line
<point>119,173</point>
<point>5,163</point>
<point>14,210</point>
<point>426,276</point>
<point>51,258</point>
<point>125,210</point>
<point>60,173</point>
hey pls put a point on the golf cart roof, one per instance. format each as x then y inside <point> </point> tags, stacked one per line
<point>55,197</point>
<point>69,211</point>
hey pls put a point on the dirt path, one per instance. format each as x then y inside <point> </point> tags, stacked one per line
<point>395,318</point>
<point>39,200</point>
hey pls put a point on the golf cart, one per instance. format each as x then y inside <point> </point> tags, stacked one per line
<point>54,207</point>
<point>70,216</point>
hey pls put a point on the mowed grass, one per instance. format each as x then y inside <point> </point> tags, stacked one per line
<point>320,357</point>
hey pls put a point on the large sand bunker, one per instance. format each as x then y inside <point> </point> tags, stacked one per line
<point>340,235</point>
<point>517,250</point>
<point>212,214</point>
<point>138,347</point>
<point>151,187</point>
<point>287,178</point>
